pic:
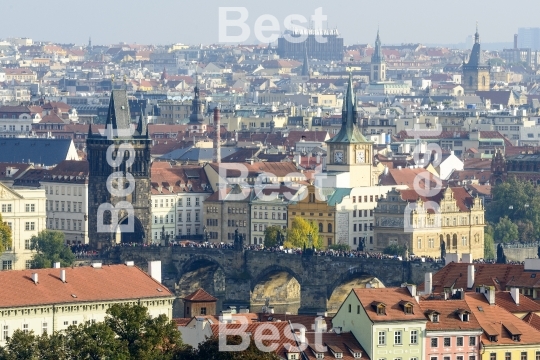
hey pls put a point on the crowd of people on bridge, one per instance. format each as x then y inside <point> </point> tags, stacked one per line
<point>84,251</point>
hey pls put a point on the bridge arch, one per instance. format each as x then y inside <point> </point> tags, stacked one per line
<point>201,271</point>
<point>278,286</point>
<point>345,282</point>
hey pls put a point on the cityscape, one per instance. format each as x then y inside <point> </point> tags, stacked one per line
<point>284,192</point>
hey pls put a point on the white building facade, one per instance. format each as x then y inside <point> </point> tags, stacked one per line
<point>24,211</point>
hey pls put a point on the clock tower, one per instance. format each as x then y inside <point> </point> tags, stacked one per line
<point>349,152</point>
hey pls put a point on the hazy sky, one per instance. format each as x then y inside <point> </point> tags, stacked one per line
<point>191,22</point>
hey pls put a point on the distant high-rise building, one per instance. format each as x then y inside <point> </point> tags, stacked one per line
<point>529,38</point>
<point>332,49</point>
<point>476,70</point>
<point>378,65</point>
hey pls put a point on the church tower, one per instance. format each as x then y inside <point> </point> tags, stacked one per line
<point>476,70</point>
<point>378,65</point>
<point>119,205</point>
<point>196,119</point>
<point>349,152</point>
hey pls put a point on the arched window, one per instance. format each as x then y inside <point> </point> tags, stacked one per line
<point>320,228</point>
<point>260,240</point>
<point>329,228</point>
<point>483,81</point>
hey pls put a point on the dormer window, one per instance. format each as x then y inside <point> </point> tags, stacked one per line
<point>435,317</point>
<point>493,338</point>
<point>379,307</point>
<point>465,317</point>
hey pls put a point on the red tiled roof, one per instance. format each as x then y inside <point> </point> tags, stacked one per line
<point>448,315</point>
<point>504,299</point>
<point>200,296</point>
<point>83,284</point>
<point>495,320</point>
<point>533,320</point>
<point>455,275</point>
<point>391,297</point>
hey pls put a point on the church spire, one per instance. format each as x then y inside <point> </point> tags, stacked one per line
<point>477,35</point>
<point>377,54</point>
<point>196,116</point>
<point>305,65</point>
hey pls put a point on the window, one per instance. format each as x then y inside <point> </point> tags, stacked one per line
<point>459,341</point>
<point>472,357</point>
<point>44,328</point>
<point>5,332</point>
<point>435,317</point>
<point>188,201</point>
<point>27,244</point>
<point>382,338</point>
<point>203,311</point>
<point>434,342</point>
<point>397,338</point>
<point>74,322</point>
<point>28,264</point>
<point>493,356</point>
<point>538,355</point>
<point>446,341</point>
<point>472,341</point>
<point>523,355</point>
<point>25,328</point>
<point>414,337</point>
<point>350,307</point>
<point>196,201</point>
<point>459,357</point>
<point>508,355</point>
<point>6,208</point>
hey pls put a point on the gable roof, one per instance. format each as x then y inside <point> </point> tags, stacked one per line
<point>449,319</point>
<point>83,284</point>
<point>391,298</point>
<point>200,296</point>
<point>41,151</point>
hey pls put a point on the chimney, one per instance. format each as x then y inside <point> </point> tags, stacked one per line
<point>302,336</point>
<point>56,265</point>
<point>154,270</point>
<point>489,293</point>
<point>63,275</point>
<point>217,125</point>
<point>412,289</point>
<point>320,324</point>
<point>130,263</point>
<point>515,41</point>
<point>35,278</point>
<point>470,276</point>
<point>428,283</point>
<point>466,258</point>
<point>515,295</point>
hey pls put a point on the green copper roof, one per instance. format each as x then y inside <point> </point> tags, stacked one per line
<point>349,132</point>
<point>338,196</point>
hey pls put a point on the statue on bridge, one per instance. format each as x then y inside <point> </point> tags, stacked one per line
<point>239,240</point>
<point>362,245</point>
<point>501,257</point>
<point>443,250</point>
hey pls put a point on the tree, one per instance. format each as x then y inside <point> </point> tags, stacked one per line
<point>505,231</point>
<point>272,235</point>
<point>395,249</point>
<point>145,338</point>
<point>489,247</point>
<point>210,350</point>
<point>300,233</point>
<point>5,236</point>
<point>50,248</point>
<point>95,342</point>
<point>340,247</point>
<point>21,346</point>
<point>526,231</point>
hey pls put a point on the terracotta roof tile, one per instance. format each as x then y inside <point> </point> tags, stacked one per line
<point>200,296</point>
<point>449,318</point>
<point>495,320</point>
<point>108,283</point>
<point>533,320</point>
<point>391,297</point>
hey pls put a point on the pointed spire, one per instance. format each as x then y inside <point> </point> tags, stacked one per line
<point>305,65</point>
<point>351,102</point>
<point>477,35</point>
<point>377,56</point>
<point>140,123</point>
<point>90,134</point>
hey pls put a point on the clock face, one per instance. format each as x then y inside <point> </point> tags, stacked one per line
<point>360,156</point>
<point>338,156</point>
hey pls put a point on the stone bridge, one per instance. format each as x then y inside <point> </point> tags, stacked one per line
<point>232,275</point>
